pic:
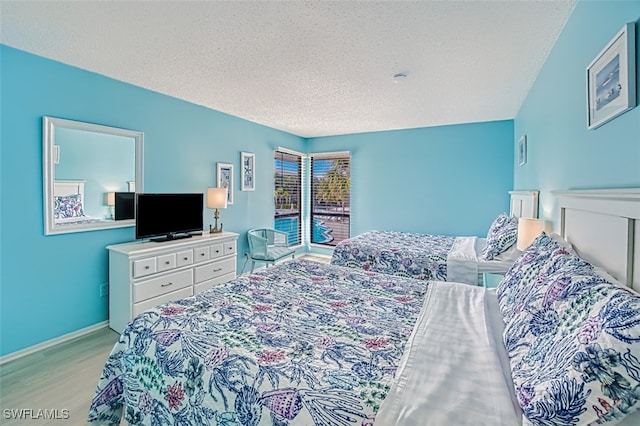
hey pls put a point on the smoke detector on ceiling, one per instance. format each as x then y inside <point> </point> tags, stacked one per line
<point>399,78</point>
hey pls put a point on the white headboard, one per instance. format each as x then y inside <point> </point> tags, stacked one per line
<point>603,226</point>
<point>68,187</point>
<point>524,204</point>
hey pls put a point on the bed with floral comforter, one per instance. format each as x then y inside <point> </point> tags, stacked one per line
<point>420,256</point>
<point>302,343</point>
<point>433,257</point>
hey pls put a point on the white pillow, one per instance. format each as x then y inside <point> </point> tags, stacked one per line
<point>512,253</point>
<point>563,243</point>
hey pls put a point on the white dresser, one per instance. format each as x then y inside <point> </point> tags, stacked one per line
<point>145,274</point>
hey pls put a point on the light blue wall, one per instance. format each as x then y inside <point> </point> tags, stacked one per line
<point>49,285</point>
<point>450,180</point>
<point>562,152</point>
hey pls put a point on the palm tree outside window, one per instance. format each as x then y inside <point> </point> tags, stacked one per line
<point>330,198</point>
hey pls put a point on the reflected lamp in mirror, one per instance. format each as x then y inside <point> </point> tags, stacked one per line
<point>216,199</point>
<point>528,231</point>
<point>111,202</point>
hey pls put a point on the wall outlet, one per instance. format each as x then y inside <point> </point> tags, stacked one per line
<point>104,290</point>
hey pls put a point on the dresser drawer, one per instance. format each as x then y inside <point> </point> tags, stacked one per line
<point>158,286</point>
<point>201,254</point>
<point>184,258</point>
<point>144,267</point>
<point>199,288</point>
<point>215,269</point>
<point>166,262</point>
<point>215,251</point>
<point>230,247</point>
<point>144,274</point>
<point>150,303</point>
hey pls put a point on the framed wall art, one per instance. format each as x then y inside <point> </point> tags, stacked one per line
<point>247,161</point>
<point>522,150</point>
<point>225,179</point>
<point>611,79</point>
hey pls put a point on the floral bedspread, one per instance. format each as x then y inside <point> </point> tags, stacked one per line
<point>420,256</point>
<point>302,343</point>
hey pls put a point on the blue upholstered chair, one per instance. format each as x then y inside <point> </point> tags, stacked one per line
<point>268,246</point>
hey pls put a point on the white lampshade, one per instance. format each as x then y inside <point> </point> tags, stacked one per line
<point>217,198</point>
<point>528,230</point>
<point>111,198</point>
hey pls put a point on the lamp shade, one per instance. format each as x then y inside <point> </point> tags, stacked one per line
<point>217,198</point>
<point>111,198</point>
<point>528,230</point>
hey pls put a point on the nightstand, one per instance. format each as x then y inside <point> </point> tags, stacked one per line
<point>491,279</point>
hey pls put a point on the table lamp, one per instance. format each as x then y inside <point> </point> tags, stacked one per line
<point>216,199</point>
<point>111,202</point>
<point>528,231</point>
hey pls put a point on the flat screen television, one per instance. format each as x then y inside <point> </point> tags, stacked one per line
<point>168,216</point>
<point>124,207</point>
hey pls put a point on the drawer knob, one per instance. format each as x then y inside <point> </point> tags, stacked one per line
<point>217,251</point>
<point>201,254</point>
<point>217,270</point>
<point>166,284</point>
<point>146,267</point>
<point>185,258</point>
<point>167,262</point>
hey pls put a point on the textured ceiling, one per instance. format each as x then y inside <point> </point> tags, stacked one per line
<point>312,68</point>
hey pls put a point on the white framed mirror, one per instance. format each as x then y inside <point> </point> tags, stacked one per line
<point>90,173</point>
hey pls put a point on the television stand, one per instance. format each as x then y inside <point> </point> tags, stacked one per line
<point>170,237</point>
<point>144,274</point>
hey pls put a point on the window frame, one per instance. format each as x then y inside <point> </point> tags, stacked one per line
<point>304,195</point>
<point>343,232</point>
<point>289,157</point>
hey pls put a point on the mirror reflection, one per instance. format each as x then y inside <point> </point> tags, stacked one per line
<point>91,173</point>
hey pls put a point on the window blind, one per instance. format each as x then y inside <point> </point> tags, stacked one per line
<point>287,195</point>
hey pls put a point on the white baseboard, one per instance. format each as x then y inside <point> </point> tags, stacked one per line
<point>56,341</point>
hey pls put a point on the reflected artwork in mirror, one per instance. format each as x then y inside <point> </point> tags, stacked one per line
<point>84,166</point>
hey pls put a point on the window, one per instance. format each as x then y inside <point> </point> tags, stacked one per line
<point>330,197</point>
<point>287,195</point>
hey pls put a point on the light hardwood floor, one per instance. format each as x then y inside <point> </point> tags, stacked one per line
<point>61,379</point>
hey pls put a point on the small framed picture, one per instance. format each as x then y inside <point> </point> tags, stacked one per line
<point>522,150</point>
<point>225,179</point>
<point>611,79</point>
<point>247,160</point>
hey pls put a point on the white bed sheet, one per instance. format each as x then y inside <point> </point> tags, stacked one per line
<point>501,263</point>
<point>455,369</point>
<point>464,260</point>
<point>77,220</point>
